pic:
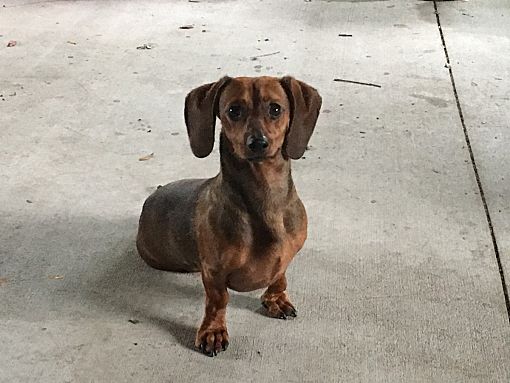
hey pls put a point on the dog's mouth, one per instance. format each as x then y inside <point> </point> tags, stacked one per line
<point>262,157</point>
<point>256,158</point>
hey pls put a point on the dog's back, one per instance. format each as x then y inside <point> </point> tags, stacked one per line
<point>166,227</point>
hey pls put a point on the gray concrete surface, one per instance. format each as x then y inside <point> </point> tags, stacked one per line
<point>398,280</point>
<point>478,39</point>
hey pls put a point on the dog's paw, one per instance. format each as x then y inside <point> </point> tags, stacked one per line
<point>279,306</point>
<point>211,341</point>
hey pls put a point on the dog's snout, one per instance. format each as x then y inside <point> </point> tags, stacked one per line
<point>257,145</point>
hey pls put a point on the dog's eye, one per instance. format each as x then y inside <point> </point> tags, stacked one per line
<point>275,110</point>
<point>235,112</point>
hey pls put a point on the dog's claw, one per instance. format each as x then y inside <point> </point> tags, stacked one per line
<point>212,345</point>
<point>290,311</point>
<point>280,308</point>
<point>203,349</point>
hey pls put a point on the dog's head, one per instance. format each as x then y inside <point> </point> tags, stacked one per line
<point>260,116</point>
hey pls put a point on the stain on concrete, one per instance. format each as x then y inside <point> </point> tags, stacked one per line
<point>436,101</point>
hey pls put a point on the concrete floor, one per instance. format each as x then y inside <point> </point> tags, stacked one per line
<point>399,279</point>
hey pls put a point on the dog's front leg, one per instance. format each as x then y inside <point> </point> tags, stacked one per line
<point>276,300</point>
<point>212,336</point>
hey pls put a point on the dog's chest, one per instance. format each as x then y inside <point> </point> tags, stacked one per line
<point>258,271</point>
<point>265,257</point>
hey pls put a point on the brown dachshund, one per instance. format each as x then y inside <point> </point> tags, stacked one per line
<point>241,228</point>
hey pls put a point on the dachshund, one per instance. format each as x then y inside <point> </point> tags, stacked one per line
<point>242,228</point>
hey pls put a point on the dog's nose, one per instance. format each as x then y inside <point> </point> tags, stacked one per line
<point>257,145</point>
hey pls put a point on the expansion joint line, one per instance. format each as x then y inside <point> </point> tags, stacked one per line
<point>475,168</point>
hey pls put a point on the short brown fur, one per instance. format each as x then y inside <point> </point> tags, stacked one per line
<point>242,228</point>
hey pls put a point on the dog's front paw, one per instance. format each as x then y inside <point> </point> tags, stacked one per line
<point>278,305</point>
<point>211,340</point>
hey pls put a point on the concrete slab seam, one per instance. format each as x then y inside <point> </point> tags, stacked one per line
<point>473,163</point>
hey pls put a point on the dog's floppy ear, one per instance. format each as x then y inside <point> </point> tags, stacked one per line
<point>305,104</point>
<point>200,111</point>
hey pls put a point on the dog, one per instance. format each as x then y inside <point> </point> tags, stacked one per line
<point>242,228</point>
